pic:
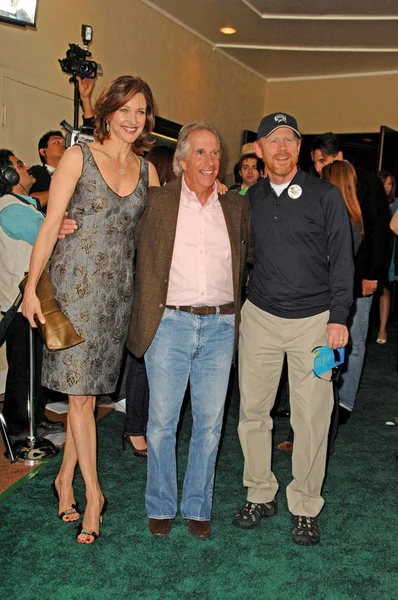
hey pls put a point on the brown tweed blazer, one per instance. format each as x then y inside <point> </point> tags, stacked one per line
<point>155,236</point>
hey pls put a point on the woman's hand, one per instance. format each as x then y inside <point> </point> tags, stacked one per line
<point>221,188</point>
<point>31,306</point>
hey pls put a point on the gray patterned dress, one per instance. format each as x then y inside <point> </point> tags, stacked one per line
<point>92,273</point>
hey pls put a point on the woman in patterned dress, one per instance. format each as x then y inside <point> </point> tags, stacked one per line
<point>103,185</point>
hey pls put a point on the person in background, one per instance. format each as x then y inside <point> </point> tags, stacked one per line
<point>137,389</point>
<point>389,184</point>
<point>342,174</point>
<point>162,159</point>
<point>20,222</point>
<point>370,264</point>
<point>52,146</point>
<point>394,229</point>
<point>51,149</point>
<point>250,168</point>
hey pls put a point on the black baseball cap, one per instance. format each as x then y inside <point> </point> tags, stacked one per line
<point>274,121</point>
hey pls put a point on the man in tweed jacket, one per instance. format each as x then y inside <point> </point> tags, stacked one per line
<point>191,257</point>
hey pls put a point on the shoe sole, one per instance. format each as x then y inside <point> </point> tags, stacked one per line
<point>301,543</point>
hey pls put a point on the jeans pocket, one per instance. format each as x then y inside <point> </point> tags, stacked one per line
<point>168,313</point>
<point>228,319</point>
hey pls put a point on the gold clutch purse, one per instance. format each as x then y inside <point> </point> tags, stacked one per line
<point>58,332</point>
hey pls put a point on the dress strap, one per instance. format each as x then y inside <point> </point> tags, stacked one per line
<point>87,156</point>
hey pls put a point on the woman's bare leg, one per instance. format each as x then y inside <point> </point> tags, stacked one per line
<point>385,303</point>
<point>64,479</point>
<point>82,424</point>
<point>138,442</point>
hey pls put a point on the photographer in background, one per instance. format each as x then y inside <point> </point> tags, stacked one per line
<point>51,149</point>
<point>20,221</point>
<point>52,145</point>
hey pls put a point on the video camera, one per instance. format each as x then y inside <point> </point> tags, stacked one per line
<point>76,64</point>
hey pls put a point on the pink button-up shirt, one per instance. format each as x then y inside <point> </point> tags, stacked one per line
<point>201,266</point>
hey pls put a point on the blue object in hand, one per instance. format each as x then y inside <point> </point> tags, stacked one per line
<point>326,359</point>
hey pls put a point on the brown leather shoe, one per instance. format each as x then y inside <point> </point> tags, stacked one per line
<point>159,526</point>
<point>200,529</point>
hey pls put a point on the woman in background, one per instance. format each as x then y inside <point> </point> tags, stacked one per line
<point>389,184</point>
<point>137,389</point>
<point>162,159</point>
<point>342,174</point>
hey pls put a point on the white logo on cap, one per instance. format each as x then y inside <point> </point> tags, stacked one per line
<point>280,118</point>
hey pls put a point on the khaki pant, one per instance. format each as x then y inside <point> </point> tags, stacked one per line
<point>264,340</point>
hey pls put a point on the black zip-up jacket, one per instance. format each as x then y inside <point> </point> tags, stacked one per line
<point>303,262</point>
<point>373,257</point>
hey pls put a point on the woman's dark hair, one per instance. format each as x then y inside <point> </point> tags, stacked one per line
<point>383,175</point>
<point>117,94</point>
<point>162,159</point>
<point>5,188</point>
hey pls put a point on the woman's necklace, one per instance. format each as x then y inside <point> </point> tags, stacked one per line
<point>122,167</point>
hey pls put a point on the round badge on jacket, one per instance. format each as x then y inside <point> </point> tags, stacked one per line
<point>295,191</point>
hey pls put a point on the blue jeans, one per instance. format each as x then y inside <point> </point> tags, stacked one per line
<point>198,349</point>
<point>358,324</point>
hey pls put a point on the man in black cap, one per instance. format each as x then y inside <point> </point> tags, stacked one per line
<point>300,293</point>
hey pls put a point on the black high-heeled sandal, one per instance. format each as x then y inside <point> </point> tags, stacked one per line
<point>126,439</point>
<point>86,531</point>
<point>74,510</point>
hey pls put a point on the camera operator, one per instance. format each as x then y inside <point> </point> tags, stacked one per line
<point>52,145</point>
<point>20,221</point>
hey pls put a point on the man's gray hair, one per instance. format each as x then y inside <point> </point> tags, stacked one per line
<point>182,148</point>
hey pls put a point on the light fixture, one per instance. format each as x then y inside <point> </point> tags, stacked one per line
<point>228,30</point>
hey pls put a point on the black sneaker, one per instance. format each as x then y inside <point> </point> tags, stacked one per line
<point>305,531</point>
<point>251,514</point>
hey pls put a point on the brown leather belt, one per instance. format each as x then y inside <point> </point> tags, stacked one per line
<point>224,309</point>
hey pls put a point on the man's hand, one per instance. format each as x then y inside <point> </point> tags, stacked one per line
<point>67,226</point>
<point>336,335</point>
<point>368,287</point>
<point>86,87</point>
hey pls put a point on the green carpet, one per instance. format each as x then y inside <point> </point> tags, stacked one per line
<point>356,560</point>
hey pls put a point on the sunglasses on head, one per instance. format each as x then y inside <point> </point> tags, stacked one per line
<point>335,374</point>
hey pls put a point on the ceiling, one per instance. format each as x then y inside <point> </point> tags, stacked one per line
<point>290,39</point>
